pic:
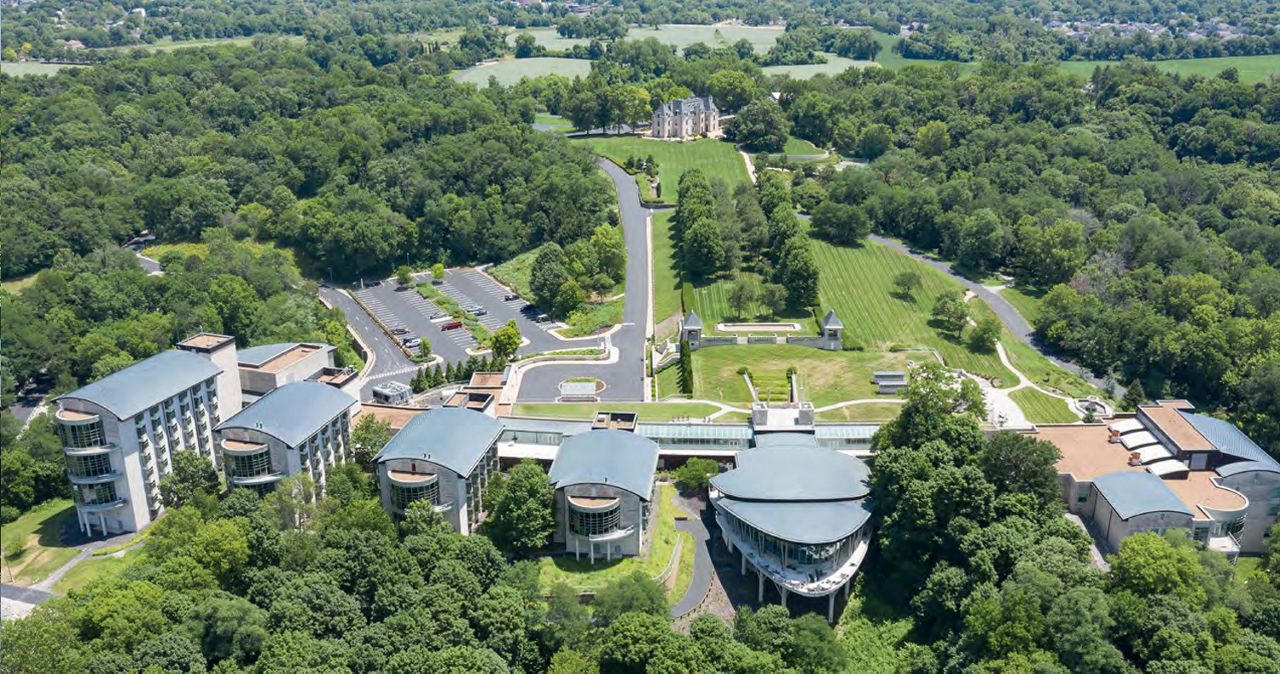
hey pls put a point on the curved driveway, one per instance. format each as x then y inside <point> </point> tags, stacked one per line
<point>624,379</point>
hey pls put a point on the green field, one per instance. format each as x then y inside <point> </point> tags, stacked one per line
<point>800,146</point>
<point>1038,369</point>
<point>711,300</point>
<point>93,569</point>
<point>556,122</point>
<point>834,66</point>
<point>717,158</point>
<point>38,531</point>
<point>547,37</point>
<point>510,71</point>
<point>826,377</point>
<point>866,412</point>
<point>858,284</point>
<point>33,68</point>
<point>1027,304</point>
<point>584,576</point>
<point>683,35</point>
<point>170,45</point>
<point>648,411</point>
<point>1042,409</point>
<point>666,280</point>
<point>1252,69</point>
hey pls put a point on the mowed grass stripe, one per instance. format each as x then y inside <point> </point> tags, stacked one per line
<point>1042,409</point>
<point>717,158</point>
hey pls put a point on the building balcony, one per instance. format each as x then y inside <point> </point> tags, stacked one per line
<point>241,447</point>
<point>93,479</point>
<point>809,580</point>
<point>104,448</point>
<point>1227,544</point>
<point>613,535</point>
<point>250,480</point>
<point>404,478</point>
<point>444,507</point>
<point>74,418</point>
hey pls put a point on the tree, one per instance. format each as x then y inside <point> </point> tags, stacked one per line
<point>631,642</point>
<point>761,126</point>
<point>799,273</point>
<point>569,297</point>
<point>743,295</point>
<point>404,276</point>
<point>731,89</point>
<point>527,46</point>
<point>567,620</point>
<point>1133,395</point>
<point>774,297</point>
<point>985,334</point>
<point>1019,464</point>
<point>686,367</point>
<point>631,594</point>
<point>841,223</point>
<point>521,516</point>
<point>1148,564</point>
<point>437,273</point>
<point>932,139</point>
<point>696,473</point>
<point>875,140</point>
<point>907,283</point>
<point>169,652</point>
<point>950,312</point>
<point>192,481</point>
<point>228,628</point>
<point>505,341</point>
<point>424,349</point>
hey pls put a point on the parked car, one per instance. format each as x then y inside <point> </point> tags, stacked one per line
<point>438,315</point>
<point>413,343</point>
<point>451,325</point>
<point>510,297</point>
<point>408,338</point>
<point>542,318</point>
<point>399,331</point>
<point>479,311</point>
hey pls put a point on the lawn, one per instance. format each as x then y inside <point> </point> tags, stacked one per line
<point>34,68</point>
<point>866,412</point>
<point>717,158</point>
<point>591,318</point>
<point>510,71</point>
<point>1043,409</point>
<point>826,377</point>
<point>1252,69</point>
<point>666,280</point>
<point>18,283</point>
<point>800,146</point>
<point>556,122</point>
<point>668,383</point>
<point>1027,303</point>
<point>684,570</point>
<point>39,530</point>
<point>667,411</point>
<point>93,569</point>
<point>834,66</point>
<point>710,299</point>
<point>584,576</point>
<point>858,284</point>
<point>171,45</point>
<point>683,35</point>
<point>547,37</point>
<point>1038,369</point>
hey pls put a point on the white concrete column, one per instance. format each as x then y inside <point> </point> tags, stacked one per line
<point>847,583</point>
<point>743,571</point>
<point>783,591</point>
<point>577,554</point>
<point>759,586</point>
<point>831,607</point>
<point>102,520</point>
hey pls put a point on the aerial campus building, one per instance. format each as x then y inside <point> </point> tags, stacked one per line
<point>797,514</point>
<point>686,118</point>
<point>120,434</point>
<point>447,456</point>
<point>1167,467</point>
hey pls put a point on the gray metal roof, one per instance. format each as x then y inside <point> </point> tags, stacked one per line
<point>831,320</point>
<point>1227,438</point>
<point>453,437</point>
<point>618,458</point>
<point>691,320</point>
<point>737,432</point>
<point>686,105</point>
<point>293,412</point>
<point>785,439</point>
<point>257,355</point>
<point>1248,466</point>
<point>1136,493</point>
<point>563,426</point>
<point>146,383</point>
<point>806,522</point>
<point>795,473</point>
<point>845,431</point>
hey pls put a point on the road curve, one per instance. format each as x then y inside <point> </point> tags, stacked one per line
<point>624,380</point>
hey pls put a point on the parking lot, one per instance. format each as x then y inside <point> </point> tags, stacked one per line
<point>407,310</point>
<point>470,286</point>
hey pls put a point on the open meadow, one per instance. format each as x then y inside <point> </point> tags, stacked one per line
<point>717,158</point>
<point>509,71</point>
<point>825,377</point>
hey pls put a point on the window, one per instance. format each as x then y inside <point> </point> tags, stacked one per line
<point>95,494</point>
<point>80,436</point>
<point>594,523</point>
<point>247,466</point>
<point>89,466</point>
<point>401,497</point>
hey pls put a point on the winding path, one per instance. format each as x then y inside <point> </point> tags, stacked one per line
<point>703,569</point>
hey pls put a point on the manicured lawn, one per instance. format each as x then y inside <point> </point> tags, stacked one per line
<point>664,411</point>
<point>867,412</point>
<point>683,35</point>
<point>826,377</point>
<point>666,280</point>
<point>717,158</point>
<point>584,576</point>
<point>34,68</point>
<point>684,572</point>
<point>1038,369</point>
<point>1027,304</point>
<point>1041,408</point>
<point>834,66</point>
<point>39,530</point>
<point>93,569</point>
<point>668,383</point>
<point>510,71</point>
<point>711,300</point>
<point>548,38</point>
<point>516,271</point>
<point>1251,68</point>
<point>800,146</point>
<point>858,284</point>
<point>18,284</point>
<point>556,122</point>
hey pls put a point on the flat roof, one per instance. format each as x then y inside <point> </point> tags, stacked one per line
<point>472,400</point>
<point>205,341</point>
<point>616,458</point>
<point>1085,451</point>
<point>146,383</point>
<point>394,415</point>
<point>276,357</point>
<point>453,437</point>
<point>293,412</point>
<point>485,380</point>
<point>1198,492</point>
<point>1133,494</point>
<point>1165,416</point>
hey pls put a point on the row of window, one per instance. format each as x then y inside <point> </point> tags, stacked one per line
<point>89,466</point>
<point>402,496</point>
<point>82,436</point>
<point>594,523</point>
<point>95,494</point>
<point>241,466</point>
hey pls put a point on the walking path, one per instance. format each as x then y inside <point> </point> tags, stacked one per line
<point>703,570</point>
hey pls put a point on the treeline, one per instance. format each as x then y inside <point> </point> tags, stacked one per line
<point>86,317</point>
<point>729,235</point>
<point>986,575</point>
<point>801,44</point>
<point>563,279</point>
<point>286,583</point>
<point>361,154</point>
<point>1149,197</point>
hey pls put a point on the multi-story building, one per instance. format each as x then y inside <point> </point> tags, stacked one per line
<point>1167,467</point>
<point>120,433</point>
<point>797,513</point>
<point>604,491</point>
<point>686,118</point>
<point>303,427</point>
<point>446,456</point>
<point>270,366</point>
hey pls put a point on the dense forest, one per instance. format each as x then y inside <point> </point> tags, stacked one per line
<point>358,153</point>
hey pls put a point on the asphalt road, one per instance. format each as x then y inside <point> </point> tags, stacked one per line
<point>482,290</point>
<point>24,594</point>
<point>390,363</point>
<point>624,380</point>
<point>703,569</point>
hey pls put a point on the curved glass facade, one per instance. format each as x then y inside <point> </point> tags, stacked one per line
<point>81,436</point>
<point>244,466</point>
<point>594,523</point>
<point>94,465</point>
<point>402,496</point>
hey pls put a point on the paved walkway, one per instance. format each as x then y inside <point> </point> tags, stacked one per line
<point>703,570</point>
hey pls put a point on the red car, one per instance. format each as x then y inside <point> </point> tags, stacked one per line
<point>451,325</point>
